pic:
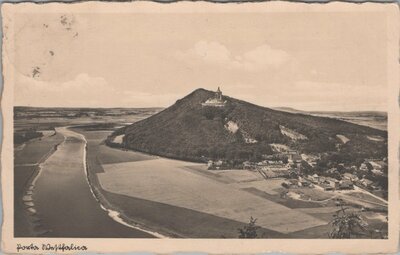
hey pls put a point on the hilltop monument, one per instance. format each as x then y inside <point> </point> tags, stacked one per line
<point>217,101</point>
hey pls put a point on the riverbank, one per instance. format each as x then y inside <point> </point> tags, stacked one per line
<point>114,212</point>
<point>62,199</point>
<point>27,166</point>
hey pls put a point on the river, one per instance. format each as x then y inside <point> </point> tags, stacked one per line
<point>64,202</point>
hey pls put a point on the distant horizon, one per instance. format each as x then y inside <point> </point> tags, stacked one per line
<point>281,108</point>
<point>159,107</point>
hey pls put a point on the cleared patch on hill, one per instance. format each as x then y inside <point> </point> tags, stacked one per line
<point>292,134</point>
<point>376,138</point>
<point>231,126</point>
<point>276,147</point>
<point>343,138</point>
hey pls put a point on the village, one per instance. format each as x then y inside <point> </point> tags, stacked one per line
<point>302,170</point>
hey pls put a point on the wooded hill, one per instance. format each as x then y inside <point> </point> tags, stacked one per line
<point>187,130</point>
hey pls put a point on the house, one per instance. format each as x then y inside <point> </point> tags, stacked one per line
<point>293,173</point>
<point>248,165</point>
<point>332,182</point>
<point>366,182</point>
<point>375,165</point>
<point>321,179</point>
<point>215,165</point>
<point>351,177</point>
<point>363,167</point>
<point>313,178</point>
<point>286,184</point>
<point>218,163</point>
<point>333,171</point>
<point>346,184</point>
<point>304,183</point>
<point>377,172</point>
<point>294,158</point>
<point>327,187</point>
<point>277,167</point>
<point>311,159</point>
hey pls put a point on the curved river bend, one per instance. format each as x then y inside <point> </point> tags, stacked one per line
<point>64,201</point>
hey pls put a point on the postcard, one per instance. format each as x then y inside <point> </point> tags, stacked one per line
<point>200,127</point>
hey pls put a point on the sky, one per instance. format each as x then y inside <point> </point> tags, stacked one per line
<point>334,61</point>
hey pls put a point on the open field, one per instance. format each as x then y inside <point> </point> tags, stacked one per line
<point>106,154</point>
<point>34,150</point>
<point>241,175</point>
<point>99,153</point>
<point>364,196</point>
<point>178,221</point>
<point>125,198</point>
<point>271,186</point>
<point>313,194</point>
<point>109,155</point>
<point>285,201</point>
<point>164,181</point>
<point>146,213</point>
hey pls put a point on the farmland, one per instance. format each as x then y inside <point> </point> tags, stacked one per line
<point>164,181</point>
<point>190,192</point>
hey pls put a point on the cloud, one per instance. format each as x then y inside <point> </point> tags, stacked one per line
<point>264,56</point>
<point>85,90</point>
<point>215,53</point>
<point>211,52</point>
<point>84,81</point>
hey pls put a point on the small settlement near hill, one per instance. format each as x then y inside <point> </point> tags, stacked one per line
<point>297,169</point>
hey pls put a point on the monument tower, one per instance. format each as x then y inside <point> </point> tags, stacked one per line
<point>217,101</point>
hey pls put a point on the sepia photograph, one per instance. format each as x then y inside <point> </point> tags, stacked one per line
<point>158,122</point>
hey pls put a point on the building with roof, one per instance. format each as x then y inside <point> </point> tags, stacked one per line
<point>346,184</point>
<point>351,177</point>
<point>216,101</point>
<point>332,182</point>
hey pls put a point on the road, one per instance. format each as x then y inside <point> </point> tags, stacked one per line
<point>63,201</point>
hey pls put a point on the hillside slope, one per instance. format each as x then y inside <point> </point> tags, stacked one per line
<point>242,131</point>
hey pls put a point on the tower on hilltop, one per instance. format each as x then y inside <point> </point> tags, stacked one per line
<point>218,94</point>
<point>217,101</point>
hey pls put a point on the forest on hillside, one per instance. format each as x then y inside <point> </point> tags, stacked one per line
<point>188,131</point>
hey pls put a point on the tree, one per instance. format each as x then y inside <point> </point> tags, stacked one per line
<point>249,230</point>
<point>347,225</point>
<point>305,167</point>
<point>369,166</point>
